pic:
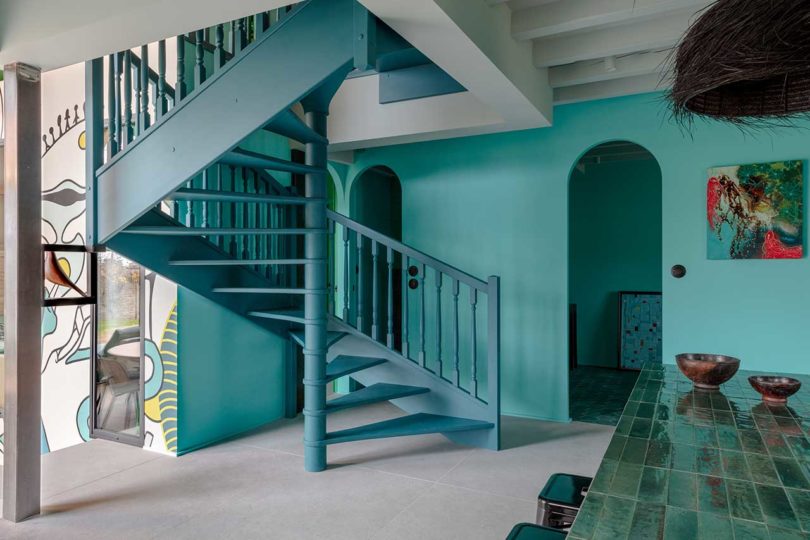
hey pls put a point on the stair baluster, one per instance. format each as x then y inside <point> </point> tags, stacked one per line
<point>256,220</point>
<point>375,292</point>
<point>136,95</point>
<point>389,258</point>
<point>219,240</point>
<point>439,322</point>
<point>360,292</point>
<point>474,341</point>
<point>205,185</point>
<point>144,119</point>
<point>112,147</point>
<point>199,64</point>
<point>116,112</point>
<point>180,89</point>
<point>128,97</point>
<point>219,50</point>
<point>240,34</point>
<point>162,103</point>
<point>346,297</point>
<point>456,371</point>
<point>268,271</point>
<point>233,247</point>
<point>406,347</point>
<point>422,355</point>
<point>244,218</point>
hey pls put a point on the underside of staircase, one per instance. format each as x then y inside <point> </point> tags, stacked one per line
<point>190,198</point>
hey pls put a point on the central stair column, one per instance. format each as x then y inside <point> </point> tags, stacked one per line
<point>315,309</point>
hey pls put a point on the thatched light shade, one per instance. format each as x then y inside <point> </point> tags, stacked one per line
<point>744,61</point>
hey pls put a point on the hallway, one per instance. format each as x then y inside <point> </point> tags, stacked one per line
<point>417,487</point>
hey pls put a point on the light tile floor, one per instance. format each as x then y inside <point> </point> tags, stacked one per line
<point>255,486</point>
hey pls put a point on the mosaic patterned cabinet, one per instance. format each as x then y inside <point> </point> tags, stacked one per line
<point>695,464</point>
<point>640,329</point>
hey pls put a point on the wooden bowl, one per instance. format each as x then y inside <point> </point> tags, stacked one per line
<point>707,371</point>
<point>775,389</point>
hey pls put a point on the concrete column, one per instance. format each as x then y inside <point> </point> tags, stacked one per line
<point>23,292</point>
<point>315,303</point>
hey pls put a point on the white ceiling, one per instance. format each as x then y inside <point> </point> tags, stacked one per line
<point>601,48</point>
<point>515,57</point>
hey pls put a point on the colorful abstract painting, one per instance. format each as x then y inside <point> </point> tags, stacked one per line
<point>756,211</point>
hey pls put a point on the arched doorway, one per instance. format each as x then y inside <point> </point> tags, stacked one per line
<point>376,202</point>
<point>614,276</point>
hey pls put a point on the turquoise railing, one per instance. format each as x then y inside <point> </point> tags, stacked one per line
<point>240,206</point>
<point>437,316</point>
<point>138,94</point>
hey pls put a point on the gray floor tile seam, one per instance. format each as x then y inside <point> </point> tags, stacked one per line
<point>276,450</point>
<point>106,476</point>
<point>467,455</point>
<point>416,499</point>
<point>488,493</point>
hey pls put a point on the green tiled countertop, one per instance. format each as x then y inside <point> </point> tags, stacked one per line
<point>686,464</point>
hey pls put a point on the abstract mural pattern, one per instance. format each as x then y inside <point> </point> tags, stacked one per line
<point>66,330</point>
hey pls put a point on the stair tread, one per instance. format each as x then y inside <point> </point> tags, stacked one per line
<point>263,290</point>
<point>171,230</point>
<point>345,365</point>
<point>373,394</point>
<point>414,424</point>
<point>331,337</point>
<point>246,158</point>
<point>291,315</point>
<point>242,262</point>
<point>289,125</point>
<point>187,194</point>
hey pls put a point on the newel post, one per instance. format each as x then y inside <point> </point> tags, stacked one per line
<point>494,348</point>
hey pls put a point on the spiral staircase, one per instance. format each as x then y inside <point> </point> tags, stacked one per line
<point>218,213</point>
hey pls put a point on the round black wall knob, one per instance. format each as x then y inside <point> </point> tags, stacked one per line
<point>678,271</point>
<point>413,284</point>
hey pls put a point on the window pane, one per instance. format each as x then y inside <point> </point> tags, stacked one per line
<point>118,365</point>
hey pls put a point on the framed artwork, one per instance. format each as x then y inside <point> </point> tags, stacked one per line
<point>756,211</point>
<point>640,331</point>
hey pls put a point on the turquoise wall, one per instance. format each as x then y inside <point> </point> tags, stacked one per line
<point>614,245</point>
<point>497,204</point>
<point>232,375</point>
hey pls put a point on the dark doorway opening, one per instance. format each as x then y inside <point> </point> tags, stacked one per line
<point>615,247</point>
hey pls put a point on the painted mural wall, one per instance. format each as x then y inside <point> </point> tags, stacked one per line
<point>66,330</point>
<point>502,200</point>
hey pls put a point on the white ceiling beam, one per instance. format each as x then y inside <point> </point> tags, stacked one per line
<point>471,40</point>
<point>601,70</point>
<point>576,15</point>
<point>607,89</point>
<point>655,34</point>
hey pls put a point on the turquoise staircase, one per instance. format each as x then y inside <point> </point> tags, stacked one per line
<point>194,196</point>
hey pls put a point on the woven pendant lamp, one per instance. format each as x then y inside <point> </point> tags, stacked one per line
<point>746,62</point>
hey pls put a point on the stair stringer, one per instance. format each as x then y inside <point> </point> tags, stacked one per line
<point>442,399</point>
<point>155,252</point>
<point>287,63</point>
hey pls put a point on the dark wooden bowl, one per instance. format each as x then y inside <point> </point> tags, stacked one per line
<point>707,371</point>
<point>775,389</point>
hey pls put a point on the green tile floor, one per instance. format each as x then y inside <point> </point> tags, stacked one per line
<point>687,464</point>
<point>598,395</point>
